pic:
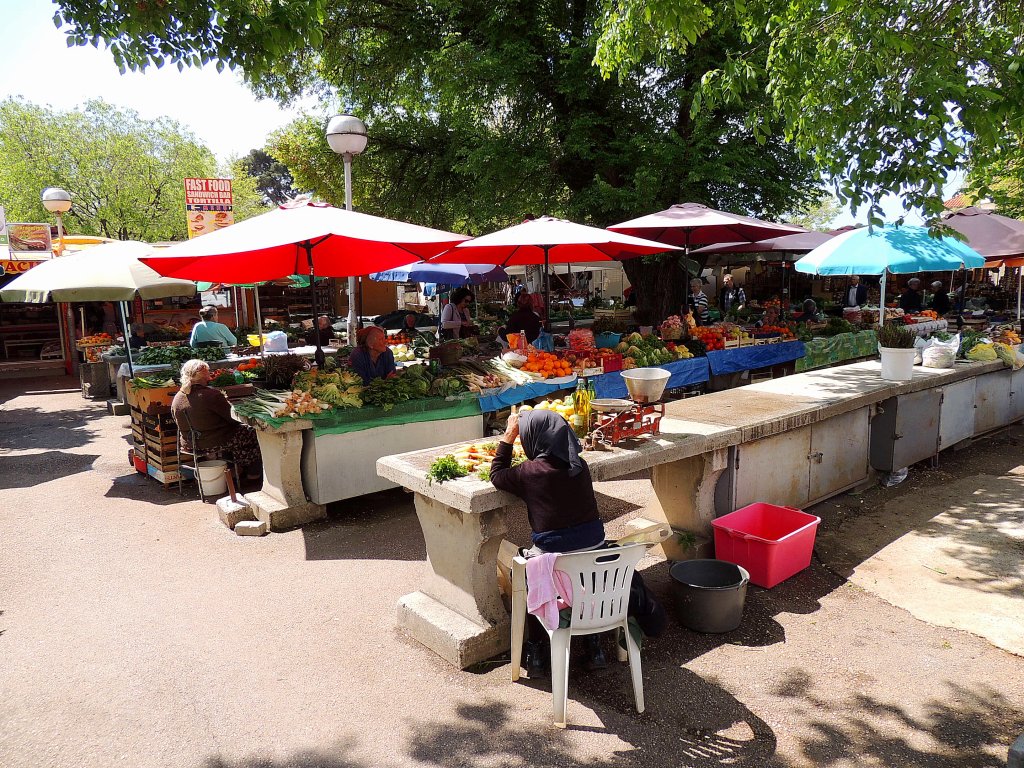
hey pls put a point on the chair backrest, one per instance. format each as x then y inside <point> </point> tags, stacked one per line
<point>600,579</point>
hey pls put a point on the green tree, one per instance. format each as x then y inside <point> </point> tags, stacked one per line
<point>273,180</point>
<point>817,214</point>
<point>886,95</point>
<point>125,174</point>
<point>1001,177</point>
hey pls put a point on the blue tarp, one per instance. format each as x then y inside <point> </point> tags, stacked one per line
<point>684,372</point>
<point>520,394</point>
<point>751,358</point>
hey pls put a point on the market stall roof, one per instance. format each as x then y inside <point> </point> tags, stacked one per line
<point>992,235</point>
<point>800,242</point>
<point>449,274</point>
<point>579,266</point>
<point>300,239</point>
<point>546,241</point>
<point>108,272</point>
<point>689,224</point>
<point>877,250</point>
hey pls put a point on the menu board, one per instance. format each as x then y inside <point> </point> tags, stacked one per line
<point>29,240</point>
<point>209,205</point>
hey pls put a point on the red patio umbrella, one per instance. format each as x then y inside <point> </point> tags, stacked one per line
<point>689,224</point>
<point>302,239</point>
<point>548,240</point>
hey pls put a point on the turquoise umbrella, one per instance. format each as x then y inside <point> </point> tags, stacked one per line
<point>880,250</point>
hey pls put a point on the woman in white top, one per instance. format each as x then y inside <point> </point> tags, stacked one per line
<point>455,319</point>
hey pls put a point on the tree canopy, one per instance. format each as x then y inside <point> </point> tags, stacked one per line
<point>272,177</point>
<point>125,174</point>
<point>885,95</point>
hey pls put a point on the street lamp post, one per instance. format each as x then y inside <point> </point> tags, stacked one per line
<point>58,202</point>
<point>347,136</point>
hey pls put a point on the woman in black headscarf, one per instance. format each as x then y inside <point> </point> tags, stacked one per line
<point>556,485</point>
<point>554,482</point>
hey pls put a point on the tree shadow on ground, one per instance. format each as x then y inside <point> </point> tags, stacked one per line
<point>975,523</point>
<point>139,487</point>
<point>36,429</point>
<point>335,757</point>
<point>26,471</point>
<point>966,728</point>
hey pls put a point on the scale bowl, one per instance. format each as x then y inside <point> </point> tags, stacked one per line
<point>610,405</point>
<point>646,385</point>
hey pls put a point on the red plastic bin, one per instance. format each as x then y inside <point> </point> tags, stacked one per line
<point>771,542</point>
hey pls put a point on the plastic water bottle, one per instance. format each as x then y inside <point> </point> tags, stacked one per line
<point>521,344</point>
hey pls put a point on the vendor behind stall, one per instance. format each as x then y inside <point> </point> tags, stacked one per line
<point>940,299</point>
<point>208,331</point>
<point>372,358</point>
<point>199,408</point>
<point>523,319</point>
<point>455,320</point>
<point>323,330</point>
<point>697,302</point>
<point>911,300</point>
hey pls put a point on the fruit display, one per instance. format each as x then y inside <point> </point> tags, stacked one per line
<point>96,340</point>
<point>1007,334</point>
<point>396,339</point>
<point>403,353</point>
<point>564,407</point>
<point>773,331</point>
<point>547,365</point>
<point>928,314</point>
<point>580,339</point>
<point>713,338</point>
<point>641,351</point>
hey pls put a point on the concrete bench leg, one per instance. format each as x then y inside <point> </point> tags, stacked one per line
<point>458,613</point>
<point>281,503</point>
<point>685,499</point>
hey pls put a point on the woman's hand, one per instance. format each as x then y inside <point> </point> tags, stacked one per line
<point>511,429</point>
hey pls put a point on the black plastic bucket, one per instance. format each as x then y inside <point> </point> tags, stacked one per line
<point>709,594</point>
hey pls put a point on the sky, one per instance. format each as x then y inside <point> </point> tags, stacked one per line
<point>217,107</point>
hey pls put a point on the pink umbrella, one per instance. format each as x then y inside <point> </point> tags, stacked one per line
<point>545,241</point>
<point>800,242</point>
<point>689,224</point>
<point>301,239</point>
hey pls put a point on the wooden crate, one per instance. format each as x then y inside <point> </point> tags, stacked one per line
<point>623,315</point>
<point>149,401</point>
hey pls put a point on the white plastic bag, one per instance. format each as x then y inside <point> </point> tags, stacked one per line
<point>920,345</point>
<point>275,341</point>
<point>941,354</point>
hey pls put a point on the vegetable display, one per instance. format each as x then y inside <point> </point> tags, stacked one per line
<point>445,468</point>
<point>177,355</point>
<point>341,389</point>
<point>152,382</point>
<point>278,370</point>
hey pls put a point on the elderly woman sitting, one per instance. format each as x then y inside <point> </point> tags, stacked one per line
<point>373,359</point>
<point>200,408</point>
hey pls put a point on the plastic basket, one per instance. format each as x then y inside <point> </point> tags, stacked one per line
<point>771,542</point>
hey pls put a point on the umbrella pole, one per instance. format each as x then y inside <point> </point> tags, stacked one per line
<point>127,338</point>
<point>259,320</point>
<point>1020,270</point>
<point>318,356</point>
<point>547,292</point>
<point>881,303</point>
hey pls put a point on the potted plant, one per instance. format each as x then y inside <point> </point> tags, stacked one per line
<point>606,332</point>
<point>896,346</point>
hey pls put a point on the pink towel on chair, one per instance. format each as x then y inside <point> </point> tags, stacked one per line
<point>547,590</point>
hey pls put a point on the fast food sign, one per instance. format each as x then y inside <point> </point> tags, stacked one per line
<point>13,267</point>
<point>209,205</point>
<point>31,240</point>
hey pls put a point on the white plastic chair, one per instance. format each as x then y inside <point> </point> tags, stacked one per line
<point>601,579</point>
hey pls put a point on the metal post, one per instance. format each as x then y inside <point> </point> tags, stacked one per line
<point>881,302</point>
<point>127,337</point>
<point>1020,270</point>
<point>259,320</point>
<point>318,356</point>
<point>547,291</point>
<point>353,321</point>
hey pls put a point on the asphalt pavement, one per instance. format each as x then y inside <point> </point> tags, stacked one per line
<point>137,630</point>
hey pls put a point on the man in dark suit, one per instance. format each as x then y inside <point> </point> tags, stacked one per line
<point>856,294</point>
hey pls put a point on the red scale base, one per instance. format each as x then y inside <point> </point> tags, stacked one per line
<point>640,420</point>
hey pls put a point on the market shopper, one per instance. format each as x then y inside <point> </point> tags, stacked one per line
<point>697,302</point>
<point>940,299</point>
<point>208,331</point>
<point>732,297</point>
<point>911,299</point>
<point>524,319</point>
<point>856,294</point>
<point>455,320</point>
<point>373,358</point>
<point>556,485</point>
<point>199,408</point>
<point>770,316</point>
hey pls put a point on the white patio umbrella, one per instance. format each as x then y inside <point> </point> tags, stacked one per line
<point>108,272</point>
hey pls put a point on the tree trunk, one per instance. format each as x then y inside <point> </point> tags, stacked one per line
<point>659,284</point>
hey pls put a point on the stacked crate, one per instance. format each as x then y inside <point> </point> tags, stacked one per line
<point>154,432</point>
<point>156,438</point>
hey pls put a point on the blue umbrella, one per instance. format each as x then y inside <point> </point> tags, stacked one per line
<point>880,250</point>
<point>449,274</point>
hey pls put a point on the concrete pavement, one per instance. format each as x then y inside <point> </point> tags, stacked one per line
<point>137,630</point>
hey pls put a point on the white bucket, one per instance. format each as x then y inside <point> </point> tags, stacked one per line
<point>212,475</point>
<point>897,364</point>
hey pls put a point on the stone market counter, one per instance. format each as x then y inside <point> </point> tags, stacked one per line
<point>790,441</point>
